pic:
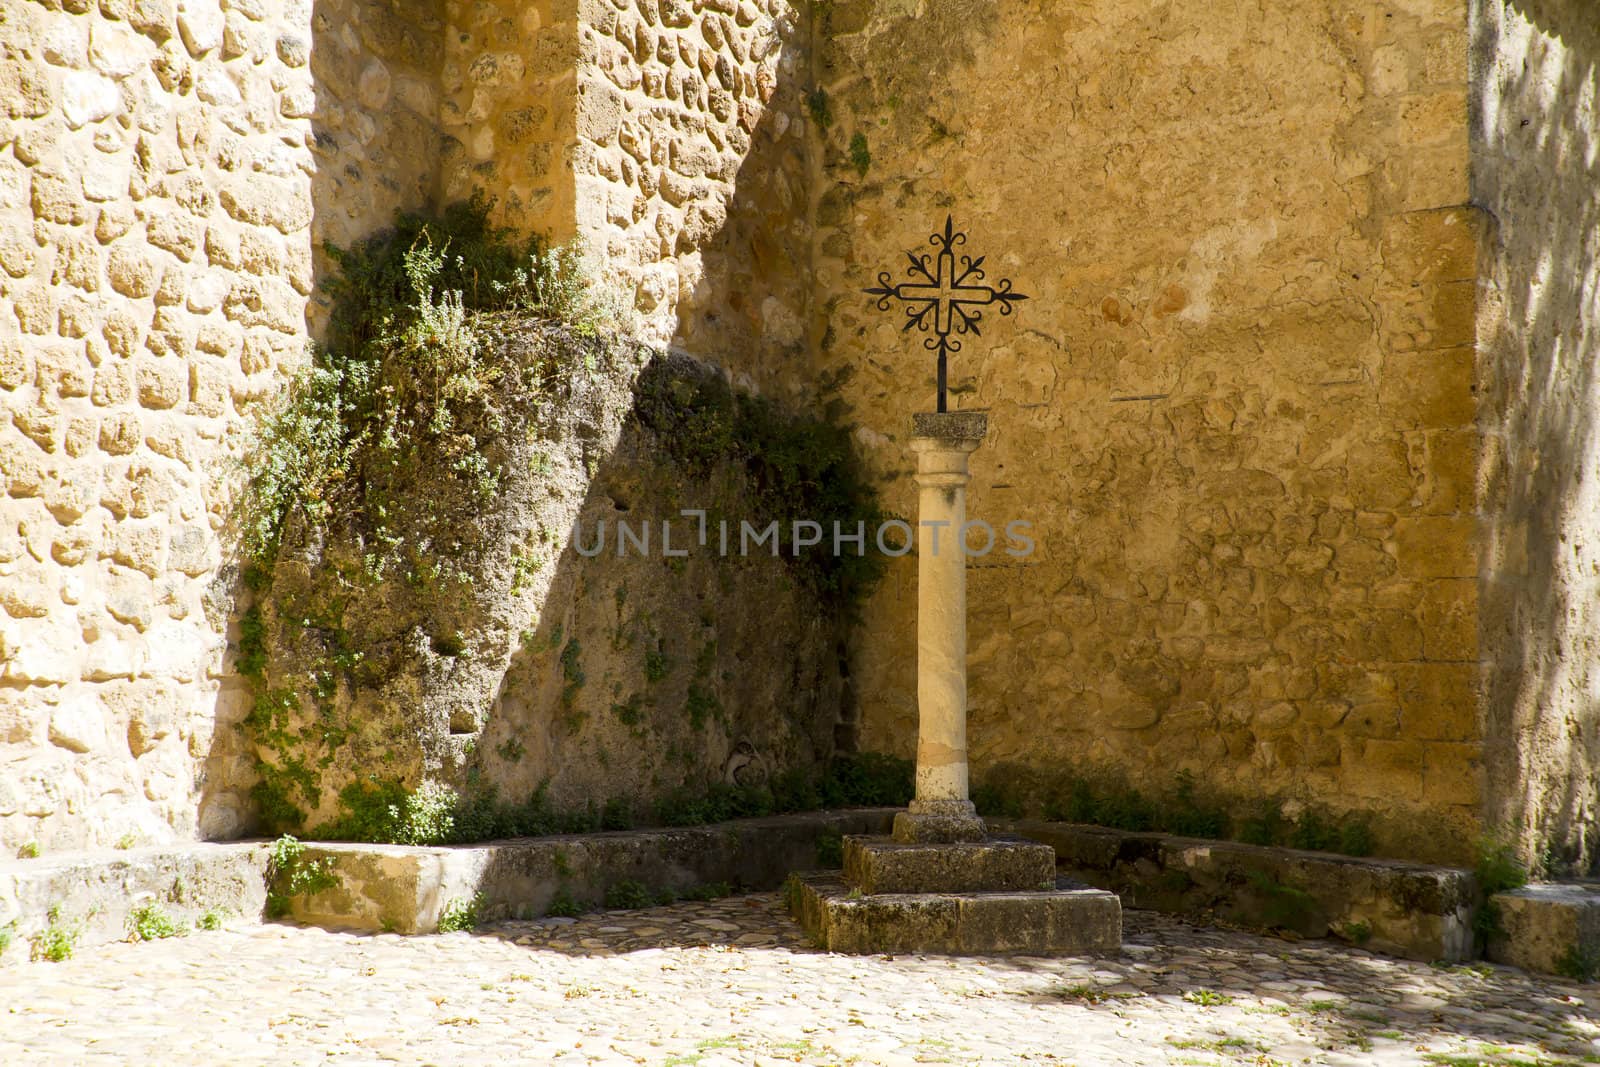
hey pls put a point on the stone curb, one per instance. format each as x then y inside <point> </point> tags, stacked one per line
<point>1410,910</point>
<point>95,892</point>
<point>1554,928</point>
<point>405,889</point>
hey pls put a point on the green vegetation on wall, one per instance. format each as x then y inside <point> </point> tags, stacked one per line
<point>387,812</point>
<point>410,377</point>
<point>415,375</point>
<point>408,369</point>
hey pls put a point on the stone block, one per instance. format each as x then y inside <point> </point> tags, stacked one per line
<point>1411,910</point>
<point>1436,546</point>
<point>1549,928</point>
<point>880,865</point>
<point>96,891</point>
<point>1066,921</point>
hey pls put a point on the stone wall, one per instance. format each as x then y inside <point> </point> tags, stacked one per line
<point>690,165</point>
<point>1536,79</point>
<point>509,111</point>
<point>165,170</point>
<point>1238,408</point>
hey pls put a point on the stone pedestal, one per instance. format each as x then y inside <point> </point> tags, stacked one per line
<point>969,898</point>
<point>940,884</point>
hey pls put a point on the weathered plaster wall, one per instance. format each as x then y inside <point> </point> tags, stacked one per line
<point>1536,170</point>
<point>165,172</point>
<point>1238,409</point>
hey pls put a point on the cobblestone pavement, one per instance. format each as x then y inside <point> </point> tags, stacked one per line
<point>733,982</point>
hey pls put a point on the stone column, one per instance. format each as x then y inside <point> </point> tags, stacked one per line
<point>941,811</point>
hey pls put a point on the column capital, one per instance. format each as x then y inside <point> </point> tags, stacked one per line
<point>956,430</point>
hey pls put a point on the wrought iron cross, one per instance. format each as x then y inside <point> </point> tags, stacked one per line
<point>942,297</point>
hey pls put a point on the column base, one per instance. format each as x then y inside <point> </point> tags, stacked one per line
<point>938,822</point>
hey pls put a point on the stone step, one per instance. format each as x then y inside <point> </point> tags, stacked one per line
<point>1552,927</point>
<point>1068,921</point>
<point>999,864</point>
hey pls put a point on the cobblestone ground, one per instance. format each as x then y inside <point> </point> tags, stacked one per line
<point>733,982</point>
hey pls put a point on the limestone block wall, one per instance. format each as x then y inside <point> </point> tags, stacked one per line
<point>165,172</point>
<point>1536,172</point>
<point>1238,409</point>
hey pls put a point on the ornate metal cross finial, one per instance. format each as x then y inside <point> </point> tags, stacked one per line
<point>942,298</point>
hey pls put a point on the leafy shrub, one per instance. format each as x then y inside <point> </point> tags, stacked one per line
<point>1192,816</point>
<point>830,849</point>
<point>628,895</point>
<point>708,891</point>
<point>1498,870</point>
<point>617,814</point>
<point>405,363</point>
<point>562,906</point>
<point>57,941</point>
<point>868,779</point>
<point>991,798</point>
<point>1581,962</point>
<point>211,920</point>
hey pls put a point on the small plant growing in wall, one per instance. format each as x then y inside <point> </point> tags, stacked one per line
<point>860,156</point>
<point>1498,870</point>
<point>291,875</point>
<point>819,108</point>
<point>459,914</point>
<point>57,941</point>
<point>150,922</point>
<point>1581,961</point>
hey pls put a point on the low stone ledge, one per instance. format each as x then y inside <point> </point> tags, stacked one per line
<point>1068,920</point>
<point>405,889</point>
<point>1399,909</point>
<point>1552,927</point>
<point>94,892</point>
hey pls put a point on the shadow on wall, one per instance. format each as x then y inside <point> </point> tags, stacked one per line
<point>1536,169</point>
<point>603,677</point>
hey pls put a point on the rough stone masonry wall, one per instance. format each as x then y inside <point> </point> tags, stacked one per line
<point>508,115</point>
<point>165,171</point>
<point>1536,171</point>
<point>690,168</point>
<point>1238,408</point>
